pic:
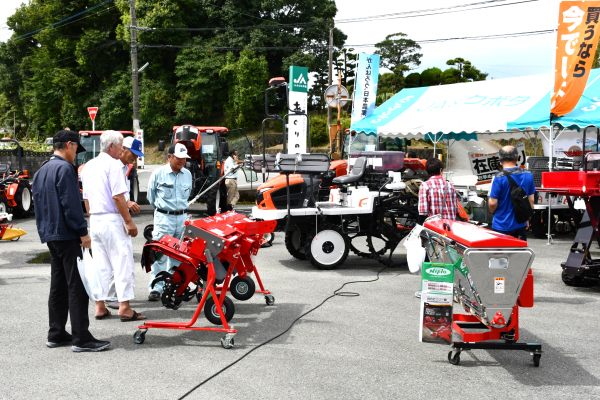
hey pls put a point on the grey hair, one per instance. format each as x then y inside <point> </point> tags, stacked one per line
<point>109,137</point>
<point>508,155</point>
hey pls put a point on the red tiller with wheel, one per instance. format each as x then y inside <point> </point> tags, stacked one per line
<point>205,246</point>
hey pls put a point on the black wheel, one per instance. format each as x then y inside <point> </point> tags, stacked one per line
<point>454,360</point>
<point>575,281</point>
<point>328,249</point>
<point>536,360</point>
<point>294,243</point>
<point>217,198</point>
<point>134,188</point>
<point>23,199</point>
<point>269,299</point>
<point>139,337</point>
<point>211,313</point>
<point>242,289</point>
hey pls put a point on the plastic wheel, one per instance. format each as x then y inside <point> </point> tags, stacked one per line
<point>536,360</point>
<point>294,243</point>
<point>211,313</point>
<point>139,337</point>
<point>453,360</point>
<point>242,289</point>
<point>269,237</point>
<point>328,249</point>
<point>15,239</point>
<point>269,299</point>
<point>227,343</point>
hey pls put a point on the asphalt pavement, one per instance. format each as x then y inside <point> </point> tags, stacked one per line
<point>349,348</point>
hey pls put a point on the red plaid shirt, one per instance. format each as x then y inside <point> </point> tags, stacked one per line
<point>431,197</point>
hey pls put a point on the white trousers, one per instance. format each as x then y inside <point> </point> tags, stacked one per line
<point>113,254</point>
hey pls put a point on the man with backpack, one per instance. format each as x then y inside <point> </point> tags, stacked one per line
<point>512,195</point>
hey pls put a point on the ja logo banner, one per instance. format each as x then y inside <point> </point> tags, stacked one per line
<point>298,79</point>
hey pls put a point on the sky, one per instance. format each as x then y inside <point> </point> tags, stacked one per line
<point>501,58</point>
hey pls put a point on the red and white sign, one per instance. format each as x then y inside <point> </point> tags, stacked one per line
<point>93,111</point>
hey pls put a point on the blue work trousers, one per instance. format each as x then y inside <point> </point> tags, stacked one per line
<point>165,224</point>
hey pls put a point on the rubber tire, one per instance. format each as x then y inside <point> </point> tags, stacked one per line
<point>318,264</point>
<point>233,287</point>
<point>134,194</point>
<point>213,317</point>
<point>575,281</point>
<point>216,198</point>
<point>269,237</point>
<point>290,244</point>
<point>23,208</point>
<point>453,360</point>
<point>139,337</point>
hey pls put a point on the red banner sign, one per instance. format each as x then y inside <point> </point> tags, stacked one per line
<point>576,42</point>
<point>93,111</point>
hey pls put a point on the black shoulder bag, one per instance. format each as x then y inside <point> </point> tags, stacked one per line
<point>520,200</point>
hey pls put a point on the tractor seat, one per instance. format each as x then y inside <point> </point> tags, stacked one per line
<point>4,169</point>
<point>355,175</point>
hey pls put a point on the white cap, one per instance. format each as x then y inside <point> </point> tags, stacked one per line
<point>128,141</point>
<point>179,151</point>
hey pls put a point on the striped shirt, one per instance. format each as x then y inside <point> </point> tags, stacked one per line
<point>431,197</point>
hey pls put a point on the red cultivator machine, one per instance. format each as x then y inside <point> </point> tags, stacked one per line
<point>211,251</point>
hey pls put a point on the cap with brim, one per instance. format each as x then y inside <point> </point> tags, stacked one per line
<point>134,145</point>
<point>178,150</point>
<point>68,136</point>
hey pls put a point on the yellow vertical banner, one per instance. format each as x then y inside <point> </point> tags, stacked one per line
<point>576,43</point>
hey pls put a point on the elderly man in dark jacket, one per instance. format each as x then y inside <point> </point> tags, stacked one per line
<point>62,226</point>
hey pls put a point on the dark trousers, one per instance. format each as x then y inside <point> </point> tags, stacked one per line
<point>67,294</point>
<point>520,233</point>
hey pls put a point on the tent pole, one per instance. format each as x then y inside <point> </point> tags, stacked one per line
<point>551,143</point>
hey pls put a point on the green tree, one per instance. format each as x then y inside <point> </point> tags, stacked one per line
<point>464,72</point>
<point>431,77</point>
<point>247,77</point>
<point>412,80</point>
<point>399,53</point>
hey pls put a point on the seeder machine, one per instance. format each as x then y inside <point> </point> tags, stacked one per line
<point>492,280</point>
<point>210,250</point>
<point>8,231</point>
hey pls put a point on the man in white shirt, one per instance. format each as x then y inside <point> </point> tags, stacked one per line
<point>233,195</point>
<point>111,226</point>
<point>132,149</point>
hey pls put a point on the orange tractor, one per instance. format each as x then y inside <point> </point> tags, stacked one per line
<point>15,189</point>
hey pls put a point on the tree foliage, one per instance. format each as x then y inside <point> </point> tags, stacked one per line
<point>398,53</point>
<point>49,78</point>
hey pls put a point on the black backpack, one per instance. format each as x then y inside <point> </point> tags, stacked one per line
<point>520,200</point>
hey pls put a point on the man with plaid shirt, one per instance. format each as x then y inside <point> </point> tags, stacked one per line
<point>433,192</point>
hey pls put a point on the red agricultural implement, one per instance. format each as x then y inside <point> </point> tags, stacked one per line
<point>210,250</point>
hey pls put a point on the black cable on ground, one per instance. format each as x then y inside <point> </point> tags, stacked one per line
<point>335,293</point>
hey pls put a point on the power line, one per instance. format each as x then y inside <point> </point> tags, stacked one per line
<point>483,37</point>
<point>171,46</point>
<point>238,28</point>
<point>63,20</point>
<point>439,11</point>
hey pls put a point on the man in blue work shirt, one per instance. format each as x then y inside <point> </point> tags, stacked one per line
<point>62,226</point>
<point>233,195</point>
<point>499,198</point>
<point>168,192</point>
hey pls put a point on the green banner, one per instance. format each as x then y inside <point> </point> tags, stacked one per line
<point>298,79</point>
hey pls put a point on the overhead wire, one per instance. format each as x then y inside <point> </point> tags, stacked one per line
<point>440,11</point>
<point>63,20</point>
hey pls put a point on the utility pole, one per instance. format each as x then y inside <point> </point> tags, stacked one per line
<point>134,67</point>
<point>330,70</point>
